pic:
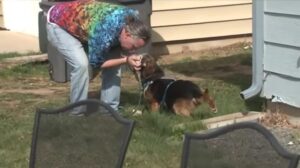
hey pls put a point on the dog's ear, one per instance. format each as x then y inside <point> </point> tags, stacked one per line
<point>209,100</point>
<point>206,91</point>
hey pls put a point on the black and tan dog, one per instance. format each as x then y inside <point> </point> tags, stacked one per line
<point>179,96</point>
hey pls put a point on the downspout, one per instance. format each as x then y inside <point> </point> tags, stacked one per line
<point>258,50</point>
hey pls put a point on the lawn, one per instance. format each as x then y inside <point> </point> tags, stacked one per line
<point>157,139</point>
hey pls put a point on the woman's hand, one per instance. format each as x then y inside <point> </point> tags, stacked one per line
<point>134,61</point>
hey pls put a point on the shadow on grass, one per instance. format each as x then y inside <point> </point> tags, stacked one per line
<point>127,98</point>
<point>233,70</point>
<point>26,70</point>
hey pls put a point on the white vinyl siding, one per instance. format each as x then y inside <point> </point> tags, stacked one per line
<point>196,19</point>
<point>1,15</point>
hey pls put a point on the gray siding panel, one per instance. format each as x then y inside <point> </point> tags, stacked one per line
<point>282,89</point>
<point>282,60</point>
<point>283,6</point>
<point>282,30</point>
<point>280,45</point>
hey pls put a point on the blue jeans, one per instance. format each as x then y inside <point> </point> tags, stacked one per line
<point>73,52</point>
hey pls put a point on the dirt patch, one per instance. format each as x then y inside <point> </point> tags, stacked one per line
<point>11,103</point>
<point>42,91</point>
<point>211,53</point>
<point>276,120</point>
<point>15,61</point>
<point>217,63</point>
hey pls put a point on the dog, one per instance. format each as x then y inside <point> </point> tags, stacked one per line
<point>178,96</point>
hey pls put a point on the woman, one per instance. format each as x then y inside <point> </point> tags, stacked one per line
<point>102,26</point>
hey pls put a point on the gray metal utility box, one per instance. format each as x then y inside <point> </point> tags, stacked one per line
<point>59,70</point>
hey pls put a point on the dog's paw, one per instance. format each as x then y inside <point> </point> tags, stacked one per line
<point>214,110</point>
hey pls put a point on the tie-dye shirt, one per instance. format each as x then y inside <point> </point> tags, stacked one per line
<point>97,23</point>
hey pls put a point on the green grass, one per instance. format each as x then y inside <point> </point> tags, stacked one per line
<point>25,70</point>
<point>157,138</point>
<point>16,127</point>
<point>9,55</point>
<point>15,54</point>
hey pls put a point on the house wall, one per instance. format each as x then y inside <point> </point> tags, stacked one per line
<point>190,19</point>
<point>193,24</point>
<point>1,15</point>
<point>281,59</point>
<point>21,15</point>
<point>176,26</point>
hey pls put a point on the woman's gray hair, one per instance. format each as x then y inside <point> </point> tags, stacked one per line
<point>137,28</point>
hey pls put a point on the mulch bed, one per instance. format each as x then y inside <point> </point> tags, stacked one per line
<point>287,134</point>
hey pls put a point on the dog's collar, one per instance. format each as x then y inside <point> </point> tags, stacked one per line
<point>146,85</point>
